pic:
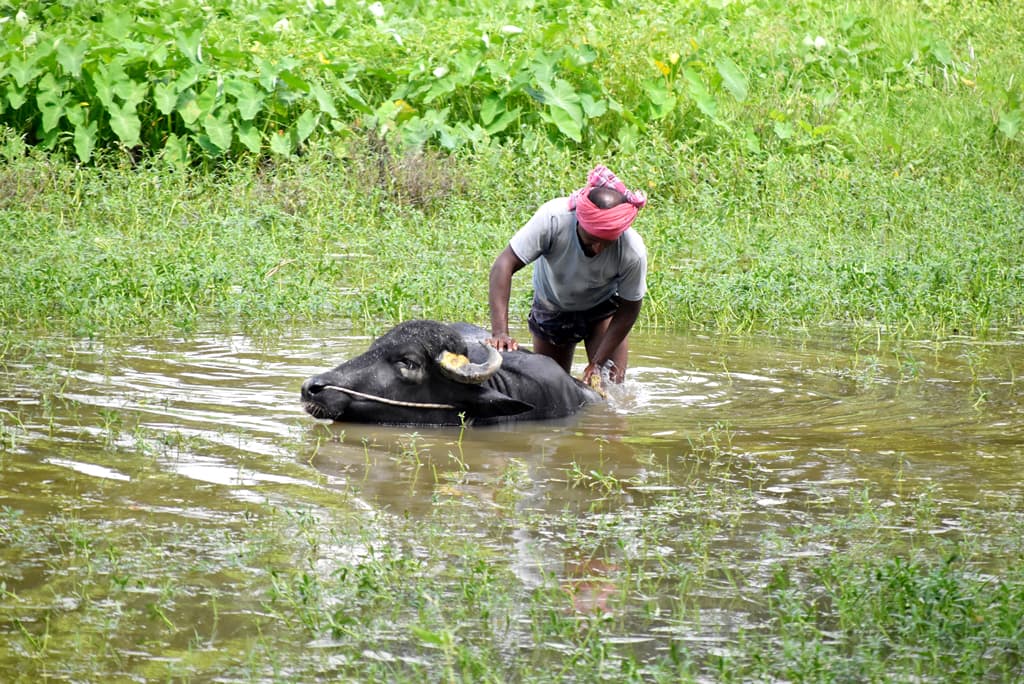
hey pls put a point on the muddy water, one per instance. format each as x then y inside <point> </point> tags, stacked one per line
<point>171,434</point>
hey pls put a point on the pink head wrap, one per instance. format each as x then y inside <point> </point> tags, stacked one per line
<point>606,224</point>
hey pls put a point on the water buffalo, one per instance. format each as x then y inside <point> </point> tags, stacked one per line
<point>429,373</point>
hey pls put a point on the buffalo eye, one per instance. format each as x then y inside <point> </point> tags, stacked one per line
<point>410,368</point>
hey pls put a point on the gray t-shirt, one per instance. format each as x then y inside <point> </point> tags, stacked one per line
<point>566,279</point>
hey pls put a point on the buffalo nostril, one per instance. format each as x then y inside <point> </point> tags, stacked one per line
<point>313,386</point>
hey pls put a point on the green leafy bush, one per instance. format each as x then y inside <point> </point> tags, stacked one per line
<point>225,78</point>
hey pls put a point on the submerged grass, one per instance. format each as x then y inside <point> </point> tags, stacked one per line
<point>615,587</point>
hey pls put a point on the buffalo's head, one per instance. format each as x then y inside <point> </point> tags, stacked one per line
<point>419,373</point>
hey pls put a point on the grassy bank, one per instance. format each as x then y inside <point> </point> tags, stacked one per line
<point>735,241</point>
<point>807,164</point>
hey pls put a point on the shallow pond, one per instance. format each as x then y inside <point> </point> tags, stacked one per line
<point>168,509</point>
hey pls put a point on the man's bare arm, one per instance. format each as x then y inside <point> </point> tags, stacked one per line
<point>499,291</point>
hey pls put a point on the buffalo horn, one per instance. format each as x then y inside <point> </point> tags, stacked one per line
<point>459,368</point>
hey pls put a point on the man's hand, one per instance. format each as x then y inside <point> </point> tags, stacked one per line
<point>593,379</point>
<point>595,375</point>
<point>502,342</point>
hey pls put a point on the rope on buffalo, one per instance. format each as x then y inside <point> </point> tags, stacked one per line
<point>384,400</point>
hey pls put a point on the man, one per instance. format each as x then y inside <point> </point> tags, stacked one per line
<point>589,278</point>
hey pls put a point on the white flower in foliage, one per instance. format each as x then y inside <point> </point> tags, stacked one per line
<point>377,10</point>
<point>818,42</point>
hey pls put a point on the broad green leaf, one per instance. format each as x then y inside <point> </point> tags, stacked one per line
<point>78,114</point>
<point>439,88</point>
<point>708,105</point>
<point>249,136</point>
<point>533,93</point>
<point>583,55</point>
<point>207,145</point>
<point>466,64</point>
<point>23,70</point>
<point>503,121</point>
<point>941,52</point>
<point>542,68</point>
<point>751,141</point>
<point>71,57</point>
<point>783,130</point>
<point>16,96</point>
<point>498,70</point>
<point>219,129</point>
<point>281,143</point>
<point>294,82</point>
<point>628,137</point>
<point>569,126</point>
<point>418,130</point>
<point>593,107</point>
<point>190,77</point>
<point>189,109</point>
<point>268,72</point>
<point>324,99</point>
<point>190,44</point>
<point>733,78</point>
<point>248,97</point>
<point>495,115</point>
<point>125,123</point>
<point>50,139</point>
<point>355,100</point>
<point>51,102</point>
<point>449,138</point>
<point>306,124</point>
<point>699,93</point>
<point>207,99</point>
<point>85,140</point>
<point>131,91</point>
<point>491,108</point>
<point>116,24</point>
<point>165,95</point>
<point>564,108</point>
<point>1010,123</point>
<point>104,78</point>
<point>661,98</point>
<point>175,150</point>
<point>158,55</point>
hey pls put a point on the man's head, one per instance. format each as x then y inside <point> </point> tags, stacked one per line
<point>605,197</point>
<point>605,208</point>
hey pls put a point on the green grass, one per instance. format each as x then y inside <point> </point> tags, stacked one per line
<point>735,241</point>
<point>813,164</point>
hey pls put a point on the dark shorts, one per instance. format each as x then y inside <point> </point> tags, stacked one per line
<point>562,328</point>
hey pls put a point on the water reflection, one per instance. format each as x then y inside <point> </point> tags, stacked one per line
<point>204,428</point>
<point>806,412</point>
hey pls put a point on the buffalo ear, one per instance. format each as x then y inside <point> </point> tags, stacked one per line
<point>491,403</point>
